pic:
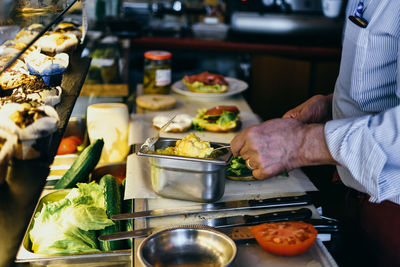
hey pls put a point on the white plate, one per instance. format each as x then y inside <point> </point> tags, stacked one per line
<point>235,87</point>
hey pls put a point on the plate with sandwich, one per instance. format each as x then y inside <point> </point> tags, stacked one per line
<point>208,86</point>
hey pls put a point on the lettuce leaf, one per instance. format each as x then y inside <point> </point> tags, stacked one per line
<point>68,226</point>
<point>238,167</point>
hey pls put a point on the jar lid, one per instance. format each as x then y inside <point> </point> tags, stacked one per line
<point>157,55</point>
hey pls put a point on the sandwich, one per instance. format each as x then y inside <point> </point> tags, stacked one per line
<point>206,82</point>
<point>217,119</point>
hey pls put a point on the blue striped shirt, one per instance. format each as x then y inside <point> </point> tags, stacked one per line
<point>364,135</point>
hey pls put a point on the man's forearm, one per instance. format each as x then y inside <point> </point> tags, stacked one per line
<point>314,149</point>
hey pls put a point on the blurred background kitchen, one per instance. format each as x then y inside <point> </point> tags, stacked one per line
<point>286,50</point>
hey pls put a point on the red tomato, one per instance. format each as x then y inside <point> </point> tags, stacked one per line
<point>77,141</point>
<point>285,238</point>
<point>219,109</point>
<point>67,146</point>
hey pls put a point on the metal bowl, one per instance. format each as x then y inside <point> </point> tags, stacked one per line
<point>187,246</point>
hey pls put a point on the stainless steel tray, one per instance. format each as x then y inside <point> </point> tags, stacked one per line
<point>25,254</point>
<point>187,178</point>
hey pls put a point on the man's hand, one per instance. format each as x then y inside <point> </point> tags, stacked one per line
<point>315,110</point>
<point>280,145</point>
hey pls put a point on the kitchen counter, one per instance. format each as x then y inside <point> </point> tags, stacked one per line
<point>249,253</point>
<point>26,179</point>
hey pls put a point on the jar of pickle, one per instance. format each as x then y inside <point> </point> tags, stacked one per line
<point>157,72</point>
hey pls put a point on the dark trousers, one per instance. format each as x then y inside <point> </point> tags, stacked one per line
<point>371,231</point>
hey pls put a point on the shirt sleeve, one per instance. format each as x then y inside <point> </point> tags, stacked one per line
<point>369,148</point>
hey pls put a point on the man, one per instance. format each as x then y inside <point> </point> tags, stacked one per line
<point>363,137</point>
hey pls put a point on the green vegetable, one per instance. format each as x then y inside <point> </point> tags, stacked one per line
<point>68,226</point>
<point>238,167</point>
<point>112,198</point>
<point>127,208</point>
<point>82,166</point>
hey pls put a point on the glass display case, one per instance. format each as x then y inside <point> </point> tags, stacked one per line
<point>38,68</point>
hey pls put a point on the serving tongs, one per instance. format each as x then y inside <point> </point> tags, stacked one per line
<point>152,140</point>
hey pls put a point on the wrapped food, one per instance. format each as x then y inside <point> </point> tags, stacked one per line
<point>49,68</point>
<point>41,95</point>
<point>16,75</point>
<point>33,127</point>
<point>69,27</point>
<point>7,148</point>
<point>28,33</point>
<point>54,43</point>
<point>12,48</point>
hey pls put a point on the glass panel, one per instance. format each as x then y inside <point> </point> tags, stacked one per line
<point>34,16</point>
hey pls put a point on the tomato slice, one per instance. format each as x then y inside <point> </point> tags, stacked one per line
<point>219,109</point>
<point>67,146</point>
<point>285,238</point>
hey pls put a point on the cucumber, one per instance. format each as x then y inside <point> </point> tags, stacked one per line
<point>82,166</point>
<point>126,208</point>
<point>112,198</point>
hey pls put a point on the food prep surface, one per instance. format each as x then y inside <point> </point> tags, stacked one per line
<point>139,187</point>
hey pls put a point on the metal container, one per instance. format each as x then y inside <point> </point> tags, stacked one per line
<point>187,246</point>
<point>110,258</point>
<point>187,178</point>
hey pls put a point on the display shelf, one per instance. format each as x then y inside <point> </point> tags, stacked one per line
<point>26,179</point>
<point>54,19</point>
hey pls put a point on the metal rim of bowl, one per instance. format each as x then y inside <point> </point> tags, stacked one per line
<point>198,227</point>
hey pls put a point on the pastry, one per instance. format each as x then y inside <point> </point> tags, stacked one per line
<point>54,43</point>
<point>49,68</point>
<point>33,127</point>
<point>156,102</point>
<point>16,75</point>
<point>12,48</point>
<point>44,95</point>
<point>181,123</point>
<point>69,27</point>
<point>28,33</point>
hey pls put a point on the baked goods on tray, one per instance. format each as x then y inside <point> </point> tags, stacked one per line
<point>206,82</point>
<point>8,143</point>
<point>217,119</point>
<point>33,127</point>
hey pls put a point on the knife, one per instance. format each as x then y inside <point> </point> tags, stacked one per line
<point>275,202</point>
<point>292,215</point>
<point>244,233</point>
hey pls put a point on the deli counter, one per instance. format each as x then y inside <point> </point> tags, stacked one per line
<point>32,182</point>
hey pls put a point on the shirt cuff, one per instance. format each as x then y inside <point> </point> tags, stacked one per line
<point>351,143</point>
